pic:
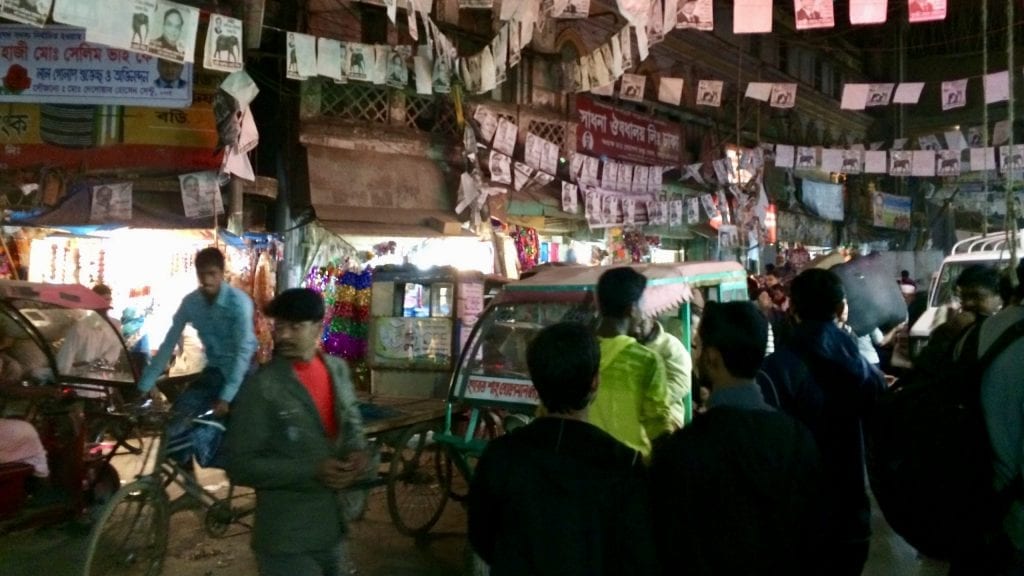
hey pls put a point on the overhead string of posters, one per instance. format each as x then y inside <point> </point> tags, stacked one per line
<point>169,30</point>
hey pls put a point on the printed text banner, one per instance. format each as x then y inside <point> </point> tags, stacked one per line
<point>56,65</point>
<point>607,131</point>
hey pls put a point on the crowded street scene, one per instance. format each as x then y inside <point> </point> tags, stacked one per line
<point>511,287</point>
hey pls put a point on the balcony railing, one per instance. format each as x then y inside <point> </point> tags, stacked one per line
<point>432,114</point>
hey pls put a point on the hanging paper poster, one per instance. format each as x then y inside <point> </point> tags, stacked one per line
<point>831,160</point>
<point>692,210</point>
<point>997,87</point>
<point>632,87</point>
<point>752,17</point>
<point>954,94</point>
<point>695,15</point>
<point>855,96</point>
<point>709,93</point>
<point>571,9</point>
<point>589,172</point>
<point>476,4</point>
<point>879,94</point>
<point>629,211</point>
<point>955,140</point>
<point>675,213</point>
<point>328,61</point>
<point>983,159</point>
<point>908,93</point>
<point>626,47</point>
<point>1011,160</point>
<point>505,137</point>
<point>111,203</point>
<point>785,155</point>
<point>398,72</point>
<point>224,44</point>
<point>655,26</point>
<point>728,237</point>
<point>441,76</point>
<point>759,91</point>
<point>948,163</point>
<point>501,168</point>
<point>875,162</point>
<point>923,163</point>
<point>783,95</point>
<point>301,54</point>
<point>812,14</point>
<point>200,194</point>
<point>889,211</point>
<point>926,10</point>
<point>569,198</point>
<point>670,90</point>
<point>851,162</point>
<point>974,137</point>
<point>607,131</point>
<point>1000,133</point>
<point>928,142</point>
<point>177,26</point>
<point>806,158</point>
<point>899,163</point>
<point>868,11</point>
<point>710,208</point>
<point>32,12</point>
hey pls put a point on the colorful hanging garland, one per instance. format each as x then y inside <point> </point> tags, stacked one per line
<point>527,247</point>
<point>346,296</point>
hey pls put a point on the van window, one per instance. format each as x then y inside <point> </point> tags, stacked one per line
<point>945,287</point>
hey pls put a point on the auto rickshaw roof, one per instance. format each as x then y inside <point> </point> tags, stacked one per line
<point>668,285</point>
<point>62,295</point>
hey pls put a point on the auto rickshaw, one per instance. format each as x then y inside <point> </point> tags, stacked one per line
<point>490,389</point>
<point>72,390</point>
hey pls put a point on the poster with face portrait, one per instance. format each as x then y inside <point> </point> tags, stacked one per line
<point>501,168</point>
<point>632,87</point>
<point>675,213</point>
<point>200,194</point>
<point>709,93</point>
<point>954,94</point>
<point>111,203</point>
<point>692,210</point>
<point>783,96</point>
<point>32,12</point>
<point>695,15</point>
<point>224,44</point>
<point>569,198</point>
<point>812,14</point>
<point>398,72</point>
<point>175,27</point>
<point>441,76</point>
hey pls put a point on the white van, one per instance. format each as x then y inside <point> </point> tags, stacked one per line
<point>990,250</point>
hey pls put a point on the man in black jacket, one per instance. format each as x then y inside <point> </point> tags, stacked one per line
<point>739,490</point>
<point>560,496</point>
<point>821,379</point>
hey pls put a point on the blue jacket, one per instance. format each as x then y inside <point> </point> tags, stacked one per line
<point>821,379</point>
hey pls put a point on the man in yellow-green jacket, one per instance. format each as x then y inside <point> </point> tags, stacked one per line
<point>633,403</point>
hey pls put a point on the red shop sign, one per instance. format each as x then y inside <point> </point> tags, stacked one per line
<point>606,131</point>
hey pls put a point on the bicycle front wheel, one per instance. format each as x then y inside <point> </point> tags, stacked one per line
<point>130,537</point>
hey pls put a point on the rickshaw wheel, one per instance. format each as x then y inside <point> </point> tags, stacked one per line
<point>418,488</point>
<point>130,536</point>
<point>104,483</point>
<point>218,519</point>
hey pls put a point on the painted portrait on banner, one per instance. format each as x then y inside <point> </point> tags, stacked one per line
<point>200,194</point>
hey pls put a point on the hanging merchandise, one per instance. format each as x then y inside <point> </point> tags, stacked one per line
<point>346,296</point>
<point>527,247</point>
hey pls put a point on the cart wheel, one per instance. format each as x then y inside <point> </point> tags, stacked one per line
<point>417,490</point>
<point>488,427</point>
<point>217,519</point>
<point>103,484</point>
<point>130,536</point>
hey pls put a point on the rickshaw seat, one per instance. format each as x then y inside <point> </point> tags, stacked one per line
<point>12,486</point>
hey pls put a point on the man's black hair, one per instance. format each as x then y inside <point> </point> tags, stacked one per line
<point>297,305</point>
<point>177,13</point>
<point>739,331</point>
<point>563,360</point>
<point>816,294</point>
<point>210,257</point>
<point>904,273</point>
<point>979,276</point>
<point>618,290</point>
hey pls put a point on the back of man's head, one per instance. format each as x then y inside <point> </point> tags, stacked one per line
<point>618,291</point>
<point>740,334</point>
<point>102,289</point>
<point>816,295</point>
<point>210,257</point>
<point>563,360</point>
<point>979,276</point>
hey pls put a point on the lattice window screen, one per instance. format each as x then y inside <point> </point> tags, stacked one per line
<point>550,131</point>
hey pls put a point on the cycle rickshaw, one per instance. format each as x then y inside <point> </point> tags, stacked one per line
<point>490,390</point>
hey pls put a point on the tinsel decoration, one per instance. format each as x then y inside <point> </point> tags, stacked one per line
<point>346,296</point>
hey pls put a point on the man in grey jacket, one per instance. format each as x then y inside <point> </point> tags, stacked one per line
<point>296,436</point>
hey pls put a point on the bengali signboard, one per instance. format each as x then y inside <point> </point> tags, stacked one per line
<point>507,390</point>
<point>402,342</point>
<point>606,131</point>
<point>55,65</point>
<point>889,211</point>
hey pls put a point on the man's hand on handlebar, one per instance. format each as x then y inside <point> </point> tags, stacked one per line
<point>221,408</point>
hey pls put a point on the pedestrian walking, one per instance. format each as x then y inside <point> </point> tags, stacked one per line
<point>296,436</point>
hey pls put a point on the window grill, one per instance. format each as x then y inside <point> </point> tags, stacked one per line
<point>380,105</point>
<point>551,131</point>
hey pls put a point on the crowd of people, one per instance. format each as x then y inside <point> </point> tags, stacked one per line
<point>769,478</point>
<point>613,477</point>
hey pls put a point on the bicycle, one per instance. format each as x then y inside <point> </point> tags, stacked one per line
<point>130,536</point>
